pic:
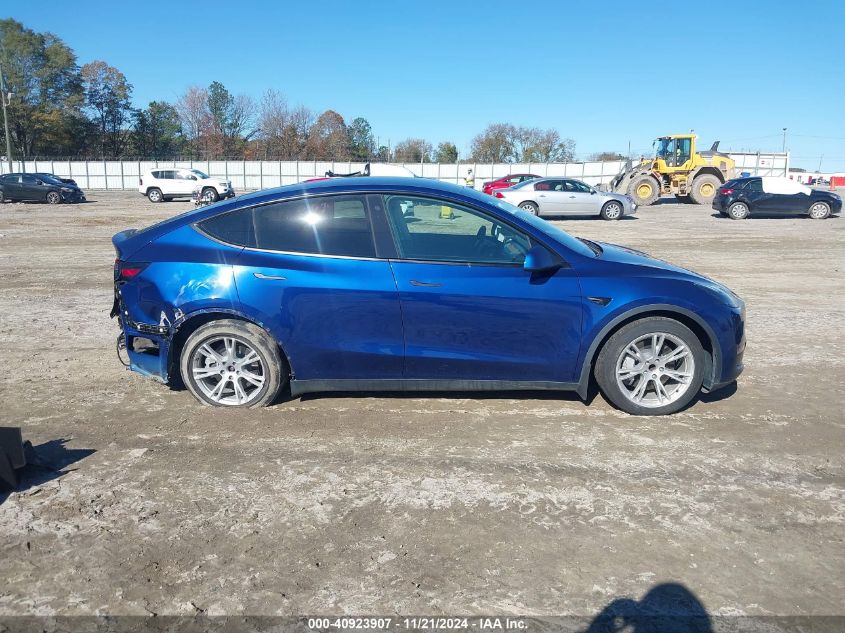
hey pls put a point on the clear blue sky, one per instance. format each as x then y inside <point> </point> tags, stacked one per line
<point>604,73</point>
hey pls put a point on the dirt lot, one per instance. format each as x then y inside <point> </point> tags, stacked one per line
<point>521,504</point>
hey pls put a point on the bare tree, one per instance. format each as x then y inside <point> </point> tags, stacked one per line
<point>495,144</point>
<point>192,107</point>
<point>413,150</point>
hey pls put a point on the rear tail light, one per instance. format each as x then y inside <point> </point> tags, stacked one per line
<point>726,191</point>
<point>124,271</point>
<point>499,194</point>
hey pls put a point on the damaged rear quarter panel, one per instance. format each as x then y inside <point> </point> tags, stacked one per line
<point>191,273</point>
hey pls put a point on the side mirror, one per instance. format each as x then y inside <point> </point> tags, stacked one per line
<point>592,191</point>
<point>539,259</point>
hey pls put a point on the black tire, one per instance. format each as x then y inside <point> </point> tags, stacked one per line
<point>54,197</point>
<point>210,194</point>
<point>819,210</point>
<point>606,365</point>
<point>645,190</point>
<point>530,207</point>
<point>154,195</point>
<point>738,211</point>
<point>272,366</point>
<point>704,188</point>
<point>612,210</point>
<point>3,197</point>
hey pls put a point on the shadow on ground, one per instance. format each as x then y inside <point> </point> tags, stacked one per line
<point>46,462</point>
<point>666,608</point>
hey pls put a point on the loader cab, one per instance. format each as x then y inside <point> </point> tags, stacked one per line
<point>675,151</point>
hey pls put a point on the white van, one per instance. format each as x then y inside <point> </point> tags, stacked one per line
<point>168,183</point>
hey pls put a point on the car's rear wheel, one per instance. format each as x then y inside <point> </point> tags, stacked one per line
<point>738,211</point>
<point>209,194</point>
<point>611,210</point>
<point>154,195</point>
<point>820,210</point>
<point>530,207</point>
<point>53,197</point>
<point>654,366</point>
<point>232,363</point>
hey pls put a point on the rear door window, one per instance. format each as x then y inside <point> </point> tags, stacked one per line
<point>754,185</point>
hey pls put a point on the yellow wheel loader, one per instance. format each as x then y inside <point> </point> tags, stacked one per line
<point>677,168</point>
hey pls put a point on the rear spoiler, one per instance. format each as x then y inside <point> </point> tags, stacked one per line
<point>363,172</point>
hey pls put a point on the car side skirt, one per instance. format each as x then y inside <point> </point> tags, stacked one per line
<point>298,387</point>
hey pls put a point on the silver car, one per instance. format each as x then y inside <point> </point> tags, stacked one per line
<point>551,197</point>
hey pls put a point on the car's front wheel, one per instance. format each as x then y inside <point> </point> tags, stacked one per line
<point>611,210</point>
<point>53,197</point>
<point>530,207</point>
<point>654,366</point>
<point>820,210</point>
<point>209,194</point>
<point>232,363</point>
<point>738,211</point>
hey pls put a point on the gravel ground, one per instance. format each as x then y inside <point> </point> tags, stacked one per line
<point>506,503</point>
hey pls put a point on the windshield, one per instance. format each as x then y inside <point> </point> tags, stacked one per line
<point>562,237</point>
<point>663,149</point>
<point>199,174</point>
<point>50,180</point>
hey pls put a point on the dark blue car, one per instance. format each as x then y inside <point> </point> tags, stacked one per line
<point>741,197</point>
<point>407,284</point>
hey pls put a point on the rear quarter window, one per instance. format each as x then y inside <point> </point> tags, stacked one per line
<point>235,228</point>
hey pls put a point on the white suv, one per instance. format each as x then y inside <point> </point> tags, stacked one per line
<point>166,184</point>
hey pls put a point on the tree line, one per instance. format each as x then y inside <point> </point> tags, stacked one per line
<point>61,109</point>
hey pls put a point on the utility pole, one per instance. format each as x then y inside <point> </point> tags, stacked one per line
<point>6,100</point>
<point>783,148</point>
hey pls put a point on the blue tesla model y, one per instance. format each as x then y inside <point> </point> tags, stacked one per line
<point>408,284</point>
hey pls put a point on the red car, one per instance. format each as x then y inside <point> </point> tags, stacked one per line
<point>506,181</point>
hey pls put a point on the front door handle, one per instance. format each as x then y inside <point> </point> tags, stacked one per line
<point>571,196</point>
<point>263,276</point>
<point>425,284</point>
<point>542,195</point>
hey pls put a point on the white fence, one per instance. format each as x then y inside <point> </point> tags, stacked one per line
<point>247,175</point>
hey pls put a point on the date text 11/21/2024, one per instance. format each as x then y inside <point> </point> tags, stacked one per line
<point>420,622</point>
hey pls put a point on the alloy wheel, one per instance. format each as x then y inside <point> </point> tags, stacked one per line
<point>228,370</point>
<point>613,210</point>
<point>819,211</point>
<point>655,370</point>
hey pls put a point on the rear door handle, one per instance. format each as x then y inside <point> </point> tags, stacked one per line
<point>263,276</point>
<point>425,284</point>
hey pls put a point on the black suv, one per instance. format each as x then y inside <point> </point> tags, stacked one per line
<point>38,188</point>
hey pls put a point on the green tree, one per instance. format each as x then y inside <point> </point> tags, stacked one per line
<point>361,143</point>
<point>108,96</point>
<point>232,120</point>
<point>446,153</point>
<point>41,72</point>
<point>158,131</point>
